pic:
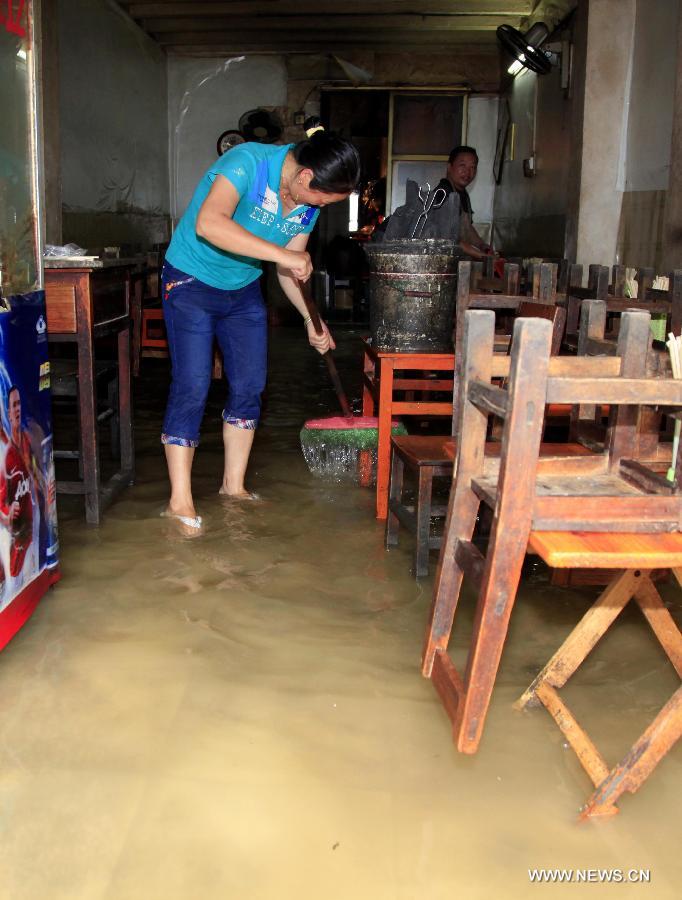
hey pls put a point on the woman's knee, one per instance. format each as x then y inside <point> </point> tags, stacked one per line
<point>190,391</point>
<point>244,402</point>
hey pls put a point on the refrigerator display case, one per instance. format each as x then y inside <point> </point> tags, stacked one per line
<point>28,521</point>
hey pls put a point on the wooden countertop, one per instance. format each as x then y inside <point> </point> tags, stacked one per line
<point>56,262</point>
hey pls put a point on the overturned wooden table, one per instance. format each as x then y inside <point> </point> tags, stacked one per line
<point>87,301</point>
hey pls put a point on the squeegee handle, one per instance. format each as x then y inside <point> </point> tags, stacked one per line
<point>311,307</point>
<point>329,359</point>
<point>338,387</point>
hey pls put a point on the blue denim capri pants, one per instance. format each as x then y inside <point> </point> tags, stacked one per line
<point>195,314</point>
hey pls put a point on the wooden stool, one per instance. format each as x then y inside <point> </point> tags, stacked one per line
<point>425,457</point>
<point>606,492</point>
<point>153,341</point>
<point>145,284</point>
<point>637,554</point>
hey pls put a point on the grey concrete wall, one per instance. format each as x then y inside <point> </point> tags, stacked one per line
<point>207,97</point>
<point>530,213</point>
<point>114,127</point>
<point>603,151</point>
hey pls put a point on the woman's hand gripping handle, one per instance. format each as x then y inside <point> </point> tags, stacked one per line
<point>322,340</point>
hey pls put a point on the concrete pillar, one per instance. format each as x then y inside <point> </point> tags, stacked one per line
<point>672,228</point>
<point>610,32</point>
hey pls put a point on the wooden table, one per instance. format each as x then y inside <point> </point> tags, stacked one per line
<point>86,301</point>
<point>378,388</point>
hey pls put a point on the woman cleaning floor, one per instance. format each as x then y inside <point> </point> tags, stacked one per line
<point>256,203</point>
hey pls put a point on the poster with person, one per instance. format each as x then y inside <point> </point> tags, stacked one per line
<point>29,545</point>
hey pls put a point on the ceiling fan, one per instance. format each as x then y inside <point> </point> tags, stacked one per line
<point>526,48</point>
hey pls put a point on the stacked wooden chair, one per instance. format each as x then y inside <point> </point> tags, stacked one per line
<point>608,509</point>
<point>610,287</point>
<point>424,457</point>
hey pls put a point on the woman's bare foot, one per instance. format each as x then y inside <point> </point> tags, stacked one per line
<point>180,509</point>
<point>188,525</point>
<point>239,495</point>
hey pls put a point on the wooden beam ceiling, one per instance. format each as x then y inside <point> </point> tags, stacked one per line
<point>324,25</point>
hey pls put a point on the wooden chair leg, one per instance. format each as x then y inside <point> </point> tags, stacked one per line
<point>396,495</point>
<point>114,424</point>
<point>125,408</point>
<point>136,317</point>
<point>499,574</point>
<point>496,598</point>
<point>423,516</point>
<point>460,523</point>
<point>477,336</point>
<point>89,433</point>
<point>80,433</point>
<point>640,761</point>
<point>365,468</point>
<point>664,731</point>
<point>584,637</point>
<point>661,622</point>
<point>217,367</point>
<point>588,755</point>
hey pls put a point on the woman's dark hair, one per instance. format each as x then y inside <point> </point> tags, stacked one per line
<point>455,152</point>
<point>334,162</point>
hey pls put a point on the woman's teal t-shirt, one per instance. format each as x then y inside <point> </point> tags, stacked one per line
<point>254,170</point>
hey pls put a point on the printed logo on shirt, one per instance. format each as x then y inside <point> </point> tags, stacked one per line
<point>262,215</point>
<point>266,207</point>
<point>23,488</point>
<point>304,217</point>
<point>261,193</point>
<point>289,228</point>
<point>270,201</point>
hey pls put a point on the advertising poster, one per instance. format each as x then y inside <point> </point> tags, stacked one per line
<point>29,546</point>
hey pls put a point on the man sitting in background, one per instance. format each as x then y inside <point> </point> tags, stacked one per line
<point>461,171</point>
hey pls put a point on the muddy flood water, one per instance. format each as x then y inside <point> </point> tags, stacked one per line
<point>242,715</point>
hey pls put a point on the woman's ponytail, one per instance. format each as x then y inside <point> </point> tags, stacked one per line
<point>334,162</point>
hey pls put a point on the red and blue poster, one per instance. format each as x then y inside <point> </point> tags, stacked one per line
<point>29,546</point>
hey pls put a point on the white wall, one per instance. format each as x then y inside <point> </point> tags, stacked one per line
<point>114,147</point>
<point>205,98</point>
<point>481,134</point>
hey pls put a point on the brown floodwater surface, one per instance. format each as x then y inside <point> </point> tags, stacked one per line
<point>241,715</point>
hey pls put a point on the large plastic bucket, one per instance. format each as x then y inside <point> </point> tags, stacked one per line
<point>412,293</point>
